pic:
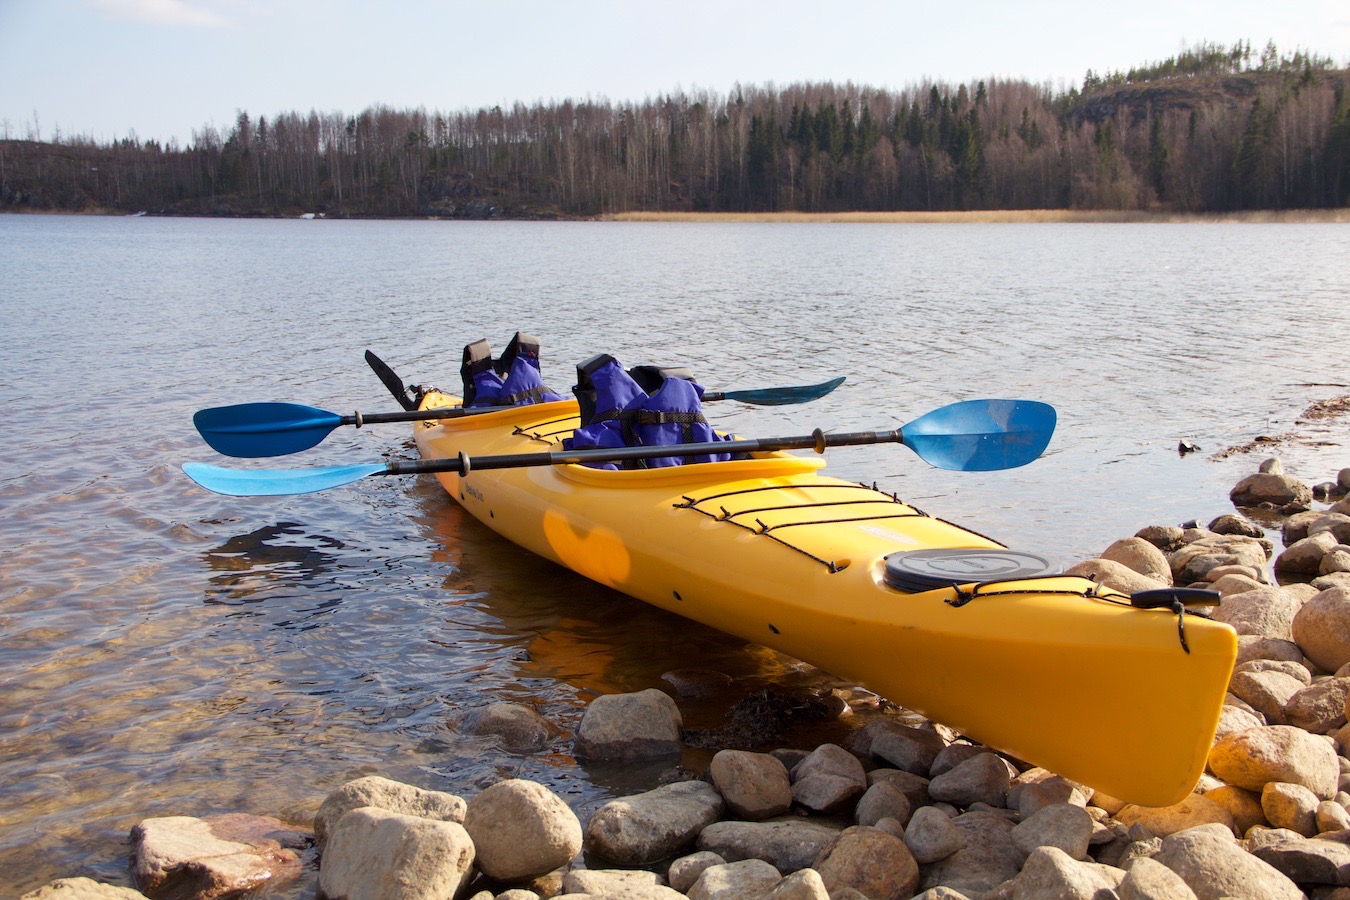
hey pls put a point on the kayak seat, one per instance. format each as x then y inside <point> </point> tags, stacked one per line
<point>916,571</point>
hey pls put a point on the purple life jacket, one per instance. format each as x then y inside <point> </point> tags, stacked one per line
<point>523,384</point>
<point>617,412</point>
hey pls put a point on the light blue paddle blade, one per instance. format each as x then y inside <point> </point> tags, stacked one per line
<point>784,396</point>
<point>252,430</point>
<point>277,482</point>
<point>982,435</point>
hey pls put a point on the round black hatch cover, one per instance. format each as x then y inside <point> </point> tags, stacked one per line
<point>915,571</point>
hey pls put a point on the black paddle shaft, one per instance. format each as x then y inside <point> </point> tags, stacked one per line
<point>817,441</point>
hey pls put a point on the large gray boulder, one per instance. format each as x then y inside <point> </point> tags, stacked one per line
<point>640,725</point>
<point>981,779</point>
<point>1264,487</point>
<point>644,828</point>
<point>788,844</point>
<point>513,726</point>
<point>521,830</point>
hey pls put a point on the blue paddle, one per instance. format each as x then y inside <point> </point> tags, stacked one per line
<point>254,430</point>
<point>970,436</point>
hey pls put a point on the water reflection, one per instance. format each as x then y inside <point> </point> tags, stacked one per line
<point>265,561</point>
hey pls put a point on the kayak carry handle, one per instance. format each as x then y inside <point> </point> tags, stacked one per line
<point>1166,598</point>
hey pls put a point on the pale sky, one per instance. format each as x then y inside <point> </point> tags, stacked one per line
<point>164,68</point>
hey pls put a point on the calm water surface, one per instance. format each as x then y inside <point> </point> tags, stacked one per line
<point>164,650</point>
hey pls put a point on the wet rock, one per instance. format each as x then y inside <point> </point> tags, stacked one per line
<point>82,889</point>
<point>987,857</point>
<point>1231,523</point>
<point>521,830</point>
<point>1165,820</point>
<point>1252,759</point>
<point>1147,879</point>
<point>932,835</point>
<point>685,870</point>
<point>1216,866</point>
<point>654,825</point>
<point>382,793</point>
<point>696,683</point>
<point>883,800</point>
<point>1269,487</point>
<point>1305,556</point>
<point>981,779</point>
<point>515,726</point>
<point>1272,466</point>
<point>1268,612</point>
<point>1320,707</point>
<point>1297,526</point>
<point>1116,575</point>
<point>828,781</point>
<point>629,726</point>
<point>1308,862</point>
<point>804,884</point>
<point>1050,872</point>
<point>869,860</point>
<point>755,786</point>
<point>1063,825</point>
<point>906,748</point>
<point>215,856</point>
<point>1322,628</point>
<point>789,844</point>
<point>374,853</point>
<point>1290,806</point>
<point>748,878</point>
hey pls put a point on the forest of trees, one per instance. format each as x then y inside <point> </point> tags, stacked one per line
<point>1215,128</point>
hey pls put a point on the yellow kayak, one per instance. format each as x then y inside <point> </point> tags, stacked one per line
<point>1052,669</point>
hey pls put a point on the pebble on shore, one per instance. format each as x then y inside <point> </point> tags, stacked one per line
<point>902,809</point>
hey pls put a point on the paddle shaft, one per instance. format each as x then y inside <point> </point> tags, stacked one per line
<point>463,464</point>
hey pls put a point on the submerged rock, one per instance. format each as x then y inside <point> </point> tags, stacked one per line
<point>217,856</point>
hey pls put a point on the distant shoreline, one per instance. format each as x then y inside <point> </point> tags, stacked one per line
<point>1001,216</point>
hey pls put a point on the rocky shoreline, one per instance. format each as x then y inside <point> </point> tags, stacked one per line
<point>906,808</point>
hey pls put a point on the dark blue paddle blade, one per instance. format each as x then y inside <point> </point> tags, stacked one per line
<point>982,435</point>
<point>253,430</point>
<point>277,482</point>
<point>784,396</point>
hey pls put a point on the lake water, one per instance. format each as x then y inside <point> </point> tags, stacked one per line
<point>167,651</point>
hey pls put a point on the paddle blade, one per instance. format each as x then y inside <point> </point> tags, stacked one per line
<point>252,430</point>
<point>277,482</point>
<point>981,435</point>
<point>785,396</point>
<point>391,381</point>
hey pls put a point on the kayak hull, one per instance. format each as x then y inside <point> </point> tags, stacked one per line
<point>1054,671</point>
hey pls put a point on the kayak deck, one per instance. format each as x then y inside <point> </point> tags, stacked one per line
<point>1054,670</point>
